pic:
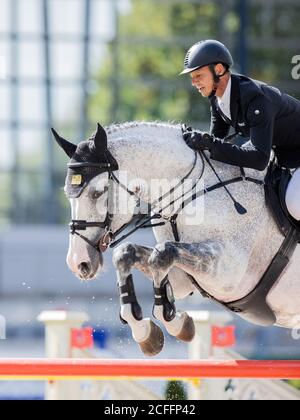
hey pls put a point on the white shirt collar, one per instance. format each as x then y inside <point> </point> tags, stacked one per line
<point>224,102</point>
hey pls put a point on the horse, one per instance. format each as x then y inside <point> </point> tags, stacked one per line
<point>223,250</point>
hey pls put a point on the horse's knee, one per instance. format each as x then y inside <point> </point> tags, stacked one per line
<point>124,257</point>
<point>163,255</point>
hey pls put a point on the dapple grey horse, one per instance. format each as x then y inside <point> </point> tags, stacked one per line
<point>225,252</point>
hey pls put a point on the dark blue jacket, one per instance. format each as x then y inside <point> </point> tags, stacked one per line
<point>270,119</point>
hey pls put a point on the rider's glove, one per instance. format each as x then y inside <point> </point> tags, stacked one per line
<point>195,139</point>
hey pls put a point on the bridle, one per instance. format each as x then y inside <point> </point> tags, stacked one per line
<point>83,225</point>
<point>77,226</point>
<point>111,239</point>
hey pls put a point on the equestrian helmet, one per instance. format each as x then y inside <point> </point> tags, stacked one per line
<point>205,53</point>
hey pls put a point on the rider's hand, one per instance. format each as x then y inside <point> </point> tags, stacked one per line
<point>195,139</point>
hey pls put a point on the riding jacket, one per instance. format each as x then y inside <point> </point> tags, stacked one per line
<point>270,118</point>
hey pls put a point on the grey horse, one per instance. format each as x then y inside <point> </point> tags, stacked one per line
<point>226,253</point>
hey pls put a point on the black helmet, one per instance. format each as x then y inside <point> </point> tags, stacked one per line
<point>205,53</point>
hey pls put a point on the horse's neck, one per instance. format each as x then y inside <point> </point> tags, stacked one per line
<point>151,153</point>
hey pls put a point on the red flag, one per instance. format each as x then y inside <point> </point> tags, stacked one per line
<point>223,337</point>
<point>82,338</point>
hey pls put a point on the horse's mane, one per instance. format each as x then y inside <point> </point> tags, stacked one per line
<point>170,125</point>
<point>113,128</point>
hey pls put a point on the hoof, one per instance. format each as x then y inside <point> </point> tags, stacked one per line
<point>155,343</point>
<point>187,333</point>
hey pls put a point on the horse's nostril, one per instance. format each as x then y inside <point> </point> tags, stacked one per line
<point>85,268</point>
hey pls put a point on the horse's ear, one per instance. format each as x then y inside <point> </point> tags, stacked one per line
<point>68,147</point>
<point>100,140</point>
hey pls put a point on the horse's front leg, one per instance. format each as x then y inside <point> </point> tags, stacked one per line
<point>148,335</point>
<point>178,324</point>
<point>194,259</point>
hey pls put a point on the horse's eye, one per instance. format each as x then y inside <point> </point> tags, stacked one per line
<point>96,195</point>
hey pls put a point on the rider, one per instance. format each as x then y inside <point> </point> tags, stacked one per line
<point>270,119</point>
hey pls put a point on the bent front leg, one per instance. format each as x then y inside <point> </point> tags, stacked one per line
<point>194,259</point>
<point>148,335</point>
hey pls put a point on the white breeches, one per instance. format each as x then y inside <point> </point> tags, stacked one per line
<point>293,196</point>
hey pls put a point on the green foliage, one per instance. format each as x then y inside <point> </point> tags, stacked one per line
<point>295,383</point>
<point>152,47</point>
<point>175,391</point>
<point>142,82</point>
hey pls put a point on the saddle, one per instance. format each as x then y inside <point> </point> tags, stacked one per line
<point>276,184</point>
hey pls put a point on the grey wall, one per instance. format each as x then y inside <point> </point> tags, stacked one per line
<point>34,259</point>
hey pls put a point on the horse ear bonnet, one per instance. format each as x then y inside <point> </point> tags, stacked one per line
<point>91,158</point>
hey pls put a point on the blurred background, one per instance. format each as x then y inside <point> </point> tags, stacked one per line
<point>71,63</point>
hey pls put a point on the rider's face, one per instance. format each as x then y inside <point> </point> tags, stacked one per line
<point>203,81</point>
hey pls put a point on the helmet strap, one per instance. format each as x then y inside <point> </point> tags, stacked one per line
<point>217,79</point>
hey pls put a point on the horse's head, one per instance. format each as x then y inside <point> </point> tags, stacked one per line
<point>104,203</point>
<point>88,189</point>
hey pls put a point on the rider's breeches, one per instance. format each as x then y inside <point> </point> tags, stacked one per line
<point>293,196</point>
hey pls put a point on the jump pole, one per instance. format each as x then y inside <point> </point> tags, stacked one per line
<point>70,369</point>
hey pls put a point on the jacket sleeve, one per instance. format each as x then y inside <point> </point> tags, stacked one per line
<point>218,128</point>
<point>257,153</point>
